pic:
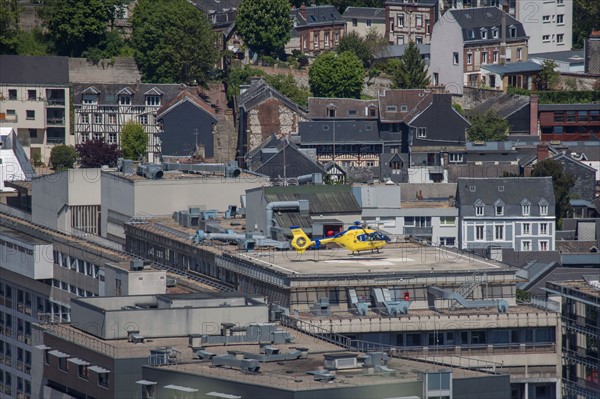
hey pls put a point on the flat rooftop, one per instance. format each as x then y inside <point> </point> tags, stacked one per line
<point>178,175</point>
<point>397,260</point>
<point>581,285</point>
<point>21,237</point>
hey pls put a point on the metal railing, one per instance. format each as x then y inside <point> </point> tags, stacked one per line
<point>76,337</point>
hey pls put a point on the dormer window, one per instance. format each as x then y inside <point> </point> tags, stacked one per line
<point>90,99</point>
<point>543,208</point>
<point>124,99</point>
<point>495,33</point>
<point>153,100</point>
<point>525,208</point>
<point>499,208</point>
<point>479,210</point>
<point>484,34</point>
<point>331,111</point>
<point>471,34</point>
<point>512,31</point>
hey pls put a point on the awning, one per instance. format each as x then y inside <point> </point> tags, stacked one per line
<point>42,347</point>
<point>223,395</point>
<point>78,361</point>
<point>58,353</point>
<point>180,388</point>
<point>98,369</point>
<point>145,382</point>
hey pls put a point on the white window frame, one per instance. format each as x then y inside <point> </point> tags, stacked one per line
<point>525,209</point>
<point>484,56</point>
<point>153,100</point>
<point>124,99</point>
<point>499,229</point>
<point>447,220</point>
<point>544,229</point>
<point>400,21</point>
<point>421,132</point>
<point>544,210</point>
<point>545,38</point>
<point>495,56</point>
<point>455,58</point>
<point>84,118</point>
<point>469,58</point>
<point>479,210</point>
<point>526,229</point>
<point>455,157</point>
<point>419,21</point>
<point>560,19</point>
<point>484,34</point>
<point>543,245</point>
<point>560,38</point>
<point>495,33</point>
<point>501,207</point>
<point>98,118</point>
<point>519,53</point>
<point>479,228</point>
<point>526,245</point>
<point>546,19</point>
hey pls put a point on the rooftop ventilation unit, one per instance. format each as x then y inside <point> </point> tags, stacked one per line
<point>313,178</point>
<point>322,375</point>
<point>125,166</point>
<point>360,305</point>
<point>135,337</point>
<point>341,361</point>
<point>321,307</point>
<point>266,333</point>
<point>435,292</point>
<point>150,171</point>
<point>136,264</point>
<point>229,169</point>
<point>383,301</point>
<point>162,356</point>
<point>235,360</point>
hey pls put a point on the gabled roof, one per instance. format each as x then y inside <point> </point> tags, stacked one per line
<point>91,90</point>
<point>108,93</point>
<point>181,98</point>
<point>415,100</point>
<point>155,91</point>
<point>514,190</point>
<point>345,108</point>
<point>34,70</point>
<point>567,158</point>
<point>287,160</point>
<point>125,91</point>
<point>259,91</point>
<point>365,12</point>
<point>316,16</point>
<point>471,20</point>
<point>504,105</point>
<point>340,132</point>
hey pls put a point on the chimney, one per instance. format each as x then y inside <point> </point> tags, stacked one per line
<point>303,11</point>
<point>542,152</point>
<point>533,115</point>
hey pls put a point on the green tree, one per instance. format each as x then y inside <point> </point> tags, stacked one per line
<point>287,86</point>
<point>134,141</point>
<point>63,157</point>
<point>586,14</point>
<point>264,25</point>
<point>562,183</point>
<point>173,42</point>
<point>410,72</point>
<point>74,25</point>
<point>365,48</point>
<point>96,153</point>
<point>548,76</point>
<point>487,126</point>
<point>9,26</point>
<point>333,75</point>
<point>32,42</point>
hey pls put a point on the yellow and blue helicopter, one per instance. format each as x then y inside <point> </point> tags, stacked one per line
<point>356,239</point>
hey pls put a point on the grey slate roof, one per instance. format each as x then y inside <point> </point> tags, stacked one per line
<point>323,198</point>
<point>486,17</point>
<point>316,16</point>
<point>258,91</point>
<point>513,67</point>
<point>346,132</point>
<point>445,126</point>
<point>108,93</point>
<point>504,105</point>
<point>377,14</point>
<point>345,108</point>
<point>415,100</point>
<point>572,57</point>
<point>34,70</point>
<point>420,3</point>
<point>514,191</point>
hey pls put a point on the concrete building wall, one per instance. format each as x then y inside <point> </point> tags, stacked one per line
<point>446,39</point>
<point>143,282</point>
<point>362,28</point>
<point>50,194</point>
<point>541,19</point>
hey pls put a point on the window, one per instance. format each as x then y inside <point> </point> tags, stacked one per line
<point>400,39</point>
<point>512,31</point>
<point>525,209</point>
<point>499,232</point>
<point>12,94</point>
<point>543,210</point>
<point>484,56</point>
<point>326,39</point>
<point>479,210</point>
<point>391,108</point>
<point>112,119</point>
<point>62,364</point>
<point>519,54</point>
<point>545,38</point>
<point>560,38</point>
<point>83,371</point>
<point>84,118</point>
<point>560,2</point>
<point>419,21</point>
<point>543,245</point>
<point>543,228</point>
<point>368,22</point>
<point>479,233</point>
<point>455,58</point>
<point>32,133</point>
<point>469,59</point>
<point>98,119</point>
<point>499,210</point>
<point>560,19</point>
<point>525,245</point>
<point>500,188</point>
<point>455,157</point>
<point>125,100</point>
<point>316,40</point>
<point>471,34</point>
<point>337,38</point>
<point>447,220</point>
<point>403,108</point>
<point>472,189</point>
<point>421,132</point>
<point>90,99</point>
<point>103,379</point>
<point>400,21</point>
<point>526,229</point>
<point>495,33</point>
<point>484,33</point>
<point>495,55</point>
<point>143,119</point>
<point>546,19</point>
<point>447,241</point>
<point>31,95</point>
<point>331,112</point>
<point>419,39</point>
<point>354,22</point>
<point>30,114</point>
<point>152,100</point>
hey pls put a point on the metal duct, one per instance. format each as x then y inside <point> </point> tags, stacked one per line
<point>314,178</point>
<point>229,169</point>
<point>301,205</point>
<point>150,171</point>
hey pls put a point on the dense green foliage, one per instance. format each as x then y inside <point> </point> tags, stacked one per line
<point>561,97</point>
<point>333,75</point>
<point>410,72</point>
<point>264,25</point>
<point>32,43</point>
<point>562,183</point>
<point>285,84</point>
<point>96,153</point>
<point>134,141</point>
<point>9,26</point>
<point>586,18</point>
<point>75,26</point>
<point>173,42</point>
<point>341,5</point>
<point>487,126</point>
<point>548,76</point>
<point>365,48</point>
<point>63,157</point>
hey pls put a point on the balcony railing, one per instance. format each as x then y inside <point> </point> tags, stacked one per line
<point>55,101</point>
<point>55,140</point>
<point>418,231</point>
<point>56,121</point>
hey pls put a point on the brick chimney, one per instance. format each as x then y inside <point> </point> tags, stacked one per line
<point>542,152</point>
<point>303,11</point>
<point>533,115</point>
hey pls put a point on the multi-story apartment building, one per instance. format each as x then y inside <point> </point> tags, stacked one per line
<point>410,20</point>
<point>581,331</point>
<point>569,122</point>
<point>35,101</point>
<point>41,270</point>
<point>514,212</point>
<point>548,23</point>
<point>101,111</point>
<point>363,20</point>
<point>315,29</point>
